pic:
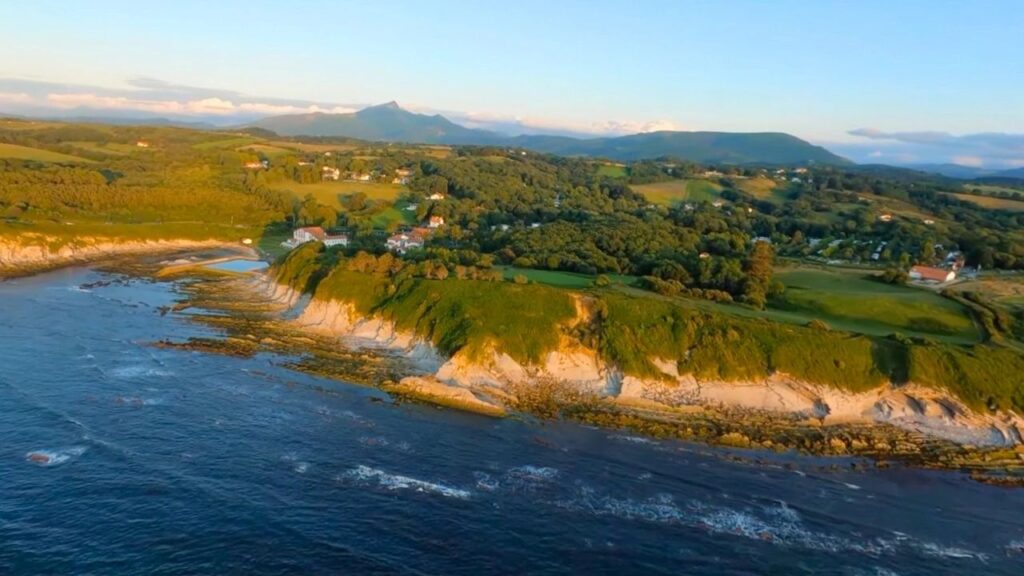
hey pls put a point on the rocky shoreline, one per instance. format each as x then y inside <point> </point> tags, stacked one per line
<point>914,408</point>
<point>909,423</point>
<point>37,254</point>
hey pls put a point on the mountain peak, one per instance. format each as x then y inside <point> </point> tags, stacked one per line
<point>392,105</point>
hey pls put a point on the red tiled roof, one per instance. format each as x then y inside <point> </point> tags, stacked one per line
<point>929,273</point>
<point>315,232</point>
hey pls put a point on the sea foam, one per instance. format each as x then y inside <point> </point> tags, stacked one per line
<point>54,457</point>
<point>366,474</point>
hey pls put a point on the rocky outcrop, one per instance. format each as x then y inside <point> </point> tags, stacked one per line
<point>488,383</point>
<point>31,253</point>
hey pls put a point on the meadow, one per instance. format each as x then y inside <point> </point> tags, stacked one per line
<point>561,279</point>
<point>850,301</point>
<point>762,188</point>
<point>271,152</point>
<point>15,152</point>
<point>676,191</point>
<point>331,193</point>
<point>993,202</point>
<point>611,171</point>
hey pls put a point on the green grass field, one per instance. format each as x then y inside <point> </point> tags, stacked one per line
<point>271,152</point>
<point>563,279</point>
<point>675,191</point>
<point>16,152</point>
<point>392,215</point>
<point>849,301</point>
<point>762,188</point>
<point>109,149</point>
<point>993,203</point>
<point>331,193</point>
<point>226,143</point>
<point>611,170</point>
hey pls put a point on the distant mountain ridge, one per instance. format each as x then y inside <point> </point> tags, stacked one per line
<point>962,172</point>
<point>390,123</point>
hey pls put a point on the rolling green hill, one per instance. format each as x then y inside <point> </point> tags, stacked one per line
<point>390,123</point>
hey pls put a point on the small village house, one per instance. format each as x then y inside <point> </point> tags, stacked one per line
<point>335,240</point>
<point>315,234</point>
<point>402,242</point>
<point>308,234</point>
<point>435,221</point>
<point>329,173</point>
<point>931,275</point>
<point>436,196</point>
<point>402,176</point>
<point>142,144</point>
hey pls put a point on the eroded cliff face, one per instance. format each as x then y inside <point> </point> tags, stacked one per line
<point>491,382</point>
<point>30,252</point>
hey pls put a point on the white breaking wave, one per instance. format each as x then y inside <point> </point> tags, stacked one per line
<point>54,457</point>
<point>139,371</point>
<point>634,439</point>
<point>775,524</point>
<point>533,473</point>
<point>366,474</point>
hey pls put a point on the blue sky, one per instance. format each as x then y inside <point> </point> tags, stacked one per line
<point>817,69</point>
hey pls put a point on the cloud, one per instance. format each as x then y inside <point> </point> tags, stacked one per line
<point>150,96</point>
<point>984,149</point>
<point>533,125</point>
<point>14,98</point>
<point>973,161</point>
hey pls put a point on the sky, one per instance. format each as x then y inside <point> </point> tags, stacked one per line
<point>897,81</point>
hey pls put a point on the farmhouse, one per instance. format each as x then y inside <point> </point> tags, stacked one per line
<point>330,173</point>
<point>142,144</point>
<point>315,234</point>
<point>930,274</point>
<point>308,234</point>
<point>405,241</point>
<point>436,196</point>
<point>435,221</point>
<point>335,240</point>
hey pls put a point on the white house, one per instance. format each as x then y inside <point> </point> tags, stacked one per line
<point>335,240</point>
<point>308,234</point>
<point>436,196</point>
<point>330,173</point>
<point>435,221</point>
<point>405,241</point>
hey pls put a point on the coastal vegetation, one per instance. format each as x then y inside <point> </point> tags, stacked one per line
<point>635,331</point>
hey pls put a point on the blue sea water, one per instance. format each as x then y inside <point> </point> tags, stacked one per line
<point>239,265</point>
<point>120,458</point>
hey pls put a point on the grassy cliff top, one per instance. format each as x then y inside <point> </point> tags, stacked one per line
<point>633,330</point>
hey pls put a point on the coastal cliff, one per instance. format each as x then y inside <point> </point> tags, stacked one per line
<point>29,253</point>
<point>488,379</point>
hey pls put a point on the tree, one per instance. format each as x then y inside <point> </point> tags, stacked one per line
<point>758,267</point>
